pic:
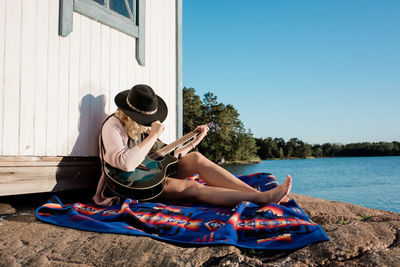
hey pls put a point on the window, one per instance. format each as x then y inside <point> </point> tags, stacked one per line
<point>126,16</point>
<point>123,7</point>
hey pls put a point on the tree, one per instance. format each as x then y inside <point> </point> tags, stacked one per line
<point>317,151</point>
<point>327,150</point>
<point>280,142</point>
<point>268,148</point>
<point>306,150</point>
<point>281,154</point>
<point>231,142</point>
<point>293,148</point>
<point>218,145</point>
<point>192,110</point>
<point>244,146</point>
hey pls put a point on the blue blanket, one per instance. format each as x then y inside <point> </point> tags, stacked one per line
<point>272,227</point>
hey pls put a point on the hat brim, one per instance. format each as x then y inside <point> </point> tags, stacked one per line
<point>143,119</point>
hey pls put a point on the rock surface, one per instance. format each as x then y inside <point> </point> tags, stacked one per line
<point>359,236</point>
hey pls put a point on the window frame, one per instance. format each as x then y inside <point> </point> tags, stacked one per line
<point>133,27</point>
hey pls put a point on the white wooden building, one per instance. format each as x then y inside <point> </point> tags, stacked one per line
<point>61,64</point>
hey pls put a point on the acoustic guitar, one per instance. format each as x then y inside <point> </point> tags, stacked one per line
<point>147,181</point>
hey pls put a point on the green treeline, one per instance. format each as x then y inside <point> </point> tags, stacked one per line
<point>233,143</point>
<point>269,148</point>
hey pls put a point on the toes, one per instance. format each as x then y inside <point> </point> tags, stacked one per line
<point>288,180</point>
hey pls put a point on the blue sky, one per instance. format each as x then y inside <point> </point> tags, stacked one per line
<point>321,71</point>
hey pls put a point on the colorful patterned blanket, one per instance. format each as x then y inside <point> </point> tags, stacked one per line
<point>272,227</point>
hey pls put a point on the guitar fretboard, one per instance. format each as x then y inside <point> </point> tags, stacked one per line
<point>168,148</point>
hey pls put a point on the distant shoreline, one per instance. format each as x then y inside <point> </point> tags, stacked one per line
<point>257,161</point>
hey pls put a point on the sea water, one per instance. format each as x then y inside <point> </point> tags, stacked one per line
<point>372,182</point>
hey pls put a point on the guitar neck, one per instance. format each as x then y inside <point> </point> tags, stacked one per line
<point>168,148</point>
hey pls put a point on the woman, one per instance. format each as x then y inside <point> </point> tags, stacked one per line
<point>129,135</point>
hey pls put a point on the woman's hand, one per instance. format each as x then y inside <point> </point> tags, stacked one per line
<point>156,129</point>
<point>154,132</point>
<point>203,129</point>
<point>182,151</point>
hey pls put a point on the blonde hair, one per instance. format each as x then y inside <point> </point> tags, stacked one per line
<point>132,128</point>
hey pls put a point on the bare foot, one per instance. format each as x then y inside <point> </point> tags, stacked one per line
<point>284,200</point>
<point>277,194</point>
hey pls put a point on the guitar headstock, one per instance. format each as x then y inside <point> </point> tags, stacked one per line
<point>213,126</point>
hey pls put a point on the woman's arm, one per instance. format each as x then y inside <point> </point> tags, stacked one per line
<point>182,151</point>
<point>156,130</point>
<point>117,152</point>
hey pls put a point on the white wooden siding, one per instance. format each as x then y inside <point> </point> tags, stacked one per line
<point>28,42</point>
<point>56,91</point>
<point>41,85</point>
<point>12,39</point>
<point>2,33</point>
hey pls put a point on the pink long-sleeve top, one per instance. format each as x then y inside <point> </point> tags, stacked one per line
<point>116,153</point>
<point>126,157</point>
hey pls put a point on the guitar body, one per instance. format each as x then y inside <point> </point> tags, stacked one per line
<point>148,180</point>
<point>145,182</point>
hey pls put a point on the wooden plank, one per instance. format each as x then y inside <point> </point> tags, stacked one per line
<point>168,69</point>
<point>105,67</point>
<point>162,39</point>
<point>166,49</point>
<point>141,40</point>
<point>169,51</point>
<point>174,61</point>
<point>27,97</point>
<point>152,40</point>
<point>26,161</point>
<point>132,77</point>
<point>172,67</point>
<point>114,68</point>
<point>158,82</point>
<point>84,88</point>
<point>12,77</point>
<point>157,36</point>
<point>41,68</point>
<point>2,42</point>
<point>123,63</point>
<point>95,90</point>
<point>63,93</point>
<point>74,100</point>
<point>66,17</point>
<point>149,55</point>
<point>22,175</point>
<point>179,83</point>
<point>52,81</point>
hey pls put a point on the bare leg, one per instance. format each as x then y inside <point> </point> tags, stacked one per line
<point>210,172</point>
<point>177,189</point>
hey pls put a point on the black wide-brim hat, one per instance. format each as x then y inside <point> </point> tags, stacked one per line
<point>142,105</point>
